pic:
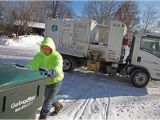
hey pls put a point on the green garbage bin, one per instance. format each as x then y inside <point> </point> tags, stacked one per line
<point>21,92</point>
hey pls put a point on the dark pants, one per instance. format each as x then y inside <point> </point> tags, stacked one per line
<point>50,92</point>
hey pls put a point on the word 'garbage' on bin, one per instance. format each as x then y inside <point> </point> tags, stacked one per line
<point>21,92</point>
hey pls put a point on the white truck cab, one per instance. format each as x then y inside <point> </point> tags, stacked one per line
<point>145,59</point>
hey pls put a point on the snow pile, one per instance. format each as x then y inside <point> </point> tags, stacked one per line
<point>30,39</point>
<point>6,41</point>
<point>26,40</point>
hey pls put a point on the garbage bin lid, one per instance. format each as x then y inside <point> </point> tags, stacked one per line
<point>11,75</point>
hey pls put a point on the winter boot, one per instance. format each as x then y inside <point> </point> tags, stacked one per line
<point>42,117</point>
<point>58,106</point>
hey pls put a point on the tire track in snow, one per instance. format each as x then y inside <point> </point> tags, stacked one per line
<point>85,109</point>
<point>81,109</point>
<point>107,111</point>
<point>95,109</point>
<point>92,109</point>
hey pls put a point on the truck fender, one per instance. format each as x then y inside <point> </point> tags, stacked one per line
<point>133,68</point>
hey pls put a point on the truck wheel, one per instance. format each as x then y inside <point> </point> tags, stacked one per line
<point>140,78</point>
<point>68,64</point>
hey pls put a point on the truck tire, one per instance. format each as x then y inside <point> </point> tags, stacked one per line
<point>69,64</point>
<point>140,78</point>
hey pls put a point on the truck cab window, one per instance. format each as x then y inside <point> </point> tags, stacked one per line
<point>151,45</point>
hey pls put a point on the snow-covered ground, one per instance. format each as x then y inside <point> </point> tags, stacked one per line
<point>90,96</point>
<point>93,96</point>
<point>25,40</point>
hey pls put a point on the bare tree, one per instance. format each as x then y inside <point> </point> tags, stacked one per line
<point>23,16</point>
<point>56,4</point>
<point>64,10</point>
<point>7,17</point>
<point>60,9</point>
<point>54,9</point>
<point>100,11</point>
<point>24,12</point>
<point>128,13</point>
<point>39,9</point>
<point>1,10</point>
<point>1,17</point>
<point>149,19</point>
<point>17,12</point>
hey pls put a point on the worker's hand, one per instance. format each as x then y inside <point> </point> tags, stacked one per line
<point>51,73</point>
<point>43,71</point>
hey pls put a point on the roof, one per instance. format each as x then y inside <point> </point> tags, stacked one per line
<point>32,24</point>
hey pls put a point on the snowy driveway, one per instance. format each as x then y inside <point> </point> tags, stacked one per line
<point>89,96</point>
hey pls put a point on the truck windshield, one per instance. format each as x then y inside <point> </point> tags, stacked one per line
<point>151,45</point>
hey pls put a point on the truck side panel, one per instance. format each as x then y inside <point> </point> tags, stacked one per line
<point>116,34</point>
<point>71,37</point>
<point>75,38</point>
<point>52,29</point>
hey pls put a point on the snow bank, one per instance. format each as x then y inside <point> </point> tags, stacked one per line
<point>26,40</point>
<point>30,39</point>
<point>6,41</point>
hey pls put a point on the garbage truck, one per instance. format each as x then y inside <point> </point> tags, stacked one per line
<point>100,48</point>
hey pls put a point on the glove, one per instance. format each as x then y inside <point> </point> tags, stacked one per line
<point>43,71</point>
<point>49,73</point>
